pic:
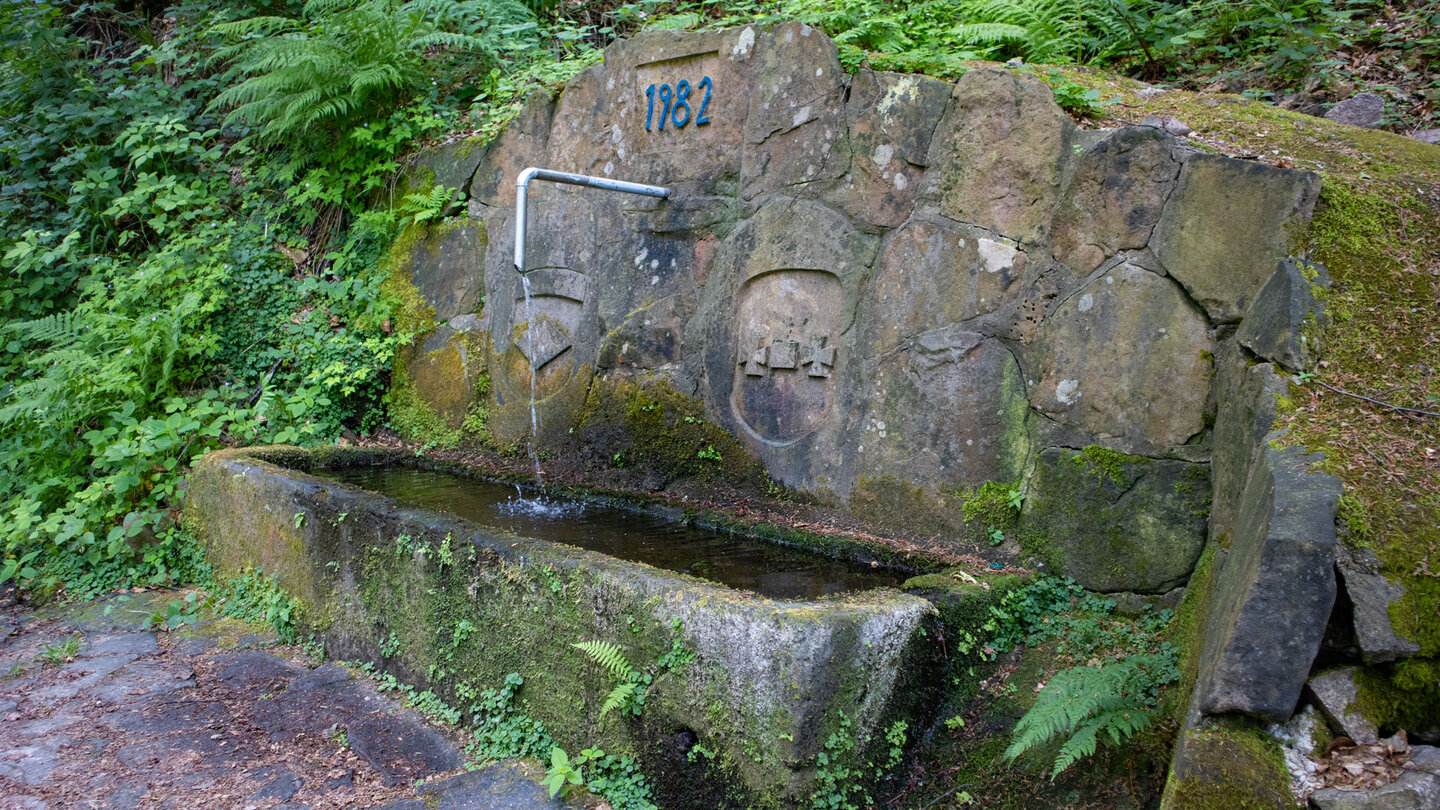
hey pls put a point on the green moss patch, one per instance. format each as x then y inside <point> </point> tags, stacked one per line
<point>1405,695</point>
<point>1228,766</point>
<point>646,426</point>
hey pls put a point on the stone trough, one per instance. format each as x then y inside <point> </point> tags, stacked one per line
<point>440,602</point>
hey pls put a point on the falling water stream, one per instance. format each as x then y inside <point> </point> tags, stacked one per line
<point>534,372</point>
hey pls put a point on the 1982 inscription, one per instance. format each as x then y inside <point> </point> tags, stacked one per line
<point>675,101</point>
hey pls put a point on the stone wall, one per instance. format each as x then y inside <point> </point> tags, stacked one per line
<point>875,279</point>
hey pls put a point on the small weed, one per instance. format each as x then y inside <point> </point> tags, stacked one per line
<point>180,612</point>
<point>390,647</point>
<point>62,654</point>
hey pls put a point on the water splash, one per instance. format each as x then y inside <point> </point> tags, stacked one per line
<point>540,507</point>
<point>534,415</point>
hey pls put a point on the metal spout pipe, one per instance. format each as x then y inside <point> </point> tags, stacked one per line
<point>522,188</point>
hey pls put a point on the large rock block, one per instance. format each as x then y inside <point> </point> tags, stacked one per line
<point>1227,226</point>
<point>1126,358</point>
<point>937,273</point>
<point>776,331</point>
<point>947,409</point>
<point>1115,198</point>
<point>890,120</point>
<point>1275,590</point>
<point>1282,323</point>
<point>1119,523</point>
<point>795,129</point>
<point>522,144</point>
<point>1001,150</point>
<point>447,266</point>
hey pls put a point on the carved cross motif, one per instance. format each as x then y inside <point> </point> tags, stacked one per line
<point>784,355</point>
<point>819,357</point>
<point>755,363</point>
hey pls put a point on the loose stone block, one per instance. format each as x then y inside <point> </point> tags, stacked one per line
<point>1335,692</point>
<point>1282,323</point>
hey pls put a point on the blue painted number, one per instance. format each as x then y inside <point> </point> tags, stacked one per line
<point>673,101</point>
<point>682,100</point>
<point>701,117</point>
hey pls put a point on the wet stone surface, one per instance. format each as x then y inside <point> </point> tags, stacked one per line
<point>96,710</point>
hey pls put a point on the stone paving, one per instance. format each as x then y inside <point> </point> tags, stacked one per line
<point>99,711</point>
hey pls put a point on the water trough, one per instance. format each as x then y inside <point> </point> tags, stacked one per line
<point>395,584</point>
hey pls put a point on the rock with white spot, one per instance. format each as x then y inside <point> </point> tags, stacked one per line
<point>1108,369</point>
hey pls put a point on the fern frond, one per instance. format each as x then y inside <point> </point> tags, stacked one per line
<point>618,697</point>
<point>1081,703</point>
<point>58,330</point>
<point>609,656</point>
<point>988,33</point>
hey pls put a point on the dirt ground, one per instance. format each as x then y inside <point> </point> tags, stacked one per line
<point>97,710</point>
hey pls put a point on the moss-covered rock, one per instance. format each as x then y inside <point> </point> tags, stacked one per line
<point>642,425</point>
<point>1119,522</point>
<point>441,378</point>
<point>1227,765</point>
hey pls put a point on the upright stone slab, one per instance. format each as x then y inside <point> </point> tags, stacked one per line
<point>1275,591</point>
<point>1247,394</point>
<point>778,315</point>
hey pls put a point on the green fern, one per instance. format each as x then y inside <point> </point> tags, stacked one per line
<point>57,330</point>
<point>423,207</point>
<point>608,656</point>
<point>629,689</point>
<point>344,59</point>
<point>619,697</point>
<point>1052,31</point>
<point>1082,703</point>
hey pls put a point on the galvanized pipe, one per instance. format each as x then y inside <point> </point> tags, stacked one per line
<point>522,188</point>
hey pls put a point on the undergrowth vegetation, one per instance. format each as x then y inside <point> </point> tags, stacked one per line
<point>195,206</point>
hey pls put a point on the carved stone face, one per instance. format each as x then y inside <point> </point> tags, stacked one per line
<point>787,330</point>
